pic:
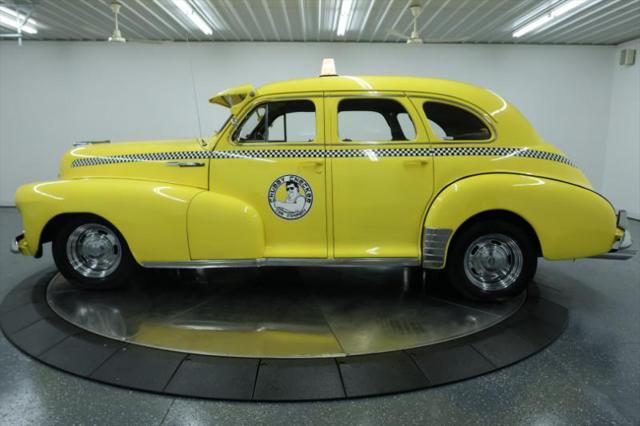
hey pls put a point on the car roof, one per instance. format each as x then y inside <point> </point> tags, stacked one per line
<point>480,97</point>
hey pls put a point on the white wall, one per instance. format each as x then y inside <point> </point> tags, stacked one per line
<point>621,178</point>
<point>55,93</point>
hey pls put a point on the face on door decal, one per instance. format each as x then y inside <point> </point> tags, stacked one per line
<point>290,197</point>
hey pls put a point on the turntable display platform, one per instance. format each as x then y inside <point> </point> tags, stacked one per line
<point>276,333</point>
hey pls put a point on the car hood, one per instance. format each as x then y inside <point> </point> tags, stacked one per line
<point>140,160</point>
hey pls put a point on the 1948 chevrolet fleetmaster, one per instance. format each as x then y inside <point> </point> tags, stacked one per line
<point>334,170</point>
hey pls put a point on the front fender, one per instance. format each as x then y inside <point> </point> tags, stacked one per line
<point>570,221</point>
<point>150,215</point>
<point>224,227</point>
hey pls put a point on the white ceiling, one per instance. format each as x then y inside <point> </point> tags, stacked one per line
<point>608,22</point>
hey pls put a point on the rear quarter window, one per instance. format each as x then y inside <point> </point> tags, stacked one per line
<point>451,123</point>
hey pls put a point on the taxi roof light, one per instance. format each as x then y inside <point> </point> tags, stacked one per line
<point>328,68</point>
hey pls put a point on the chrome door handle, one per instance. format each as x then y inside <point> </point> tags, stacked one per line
<point>316,165</point>
<point>185,163</point>
<point>419,162</point>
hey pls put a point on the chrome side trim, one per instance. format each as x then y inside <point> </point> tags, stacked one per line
<point>185,163</point>
<point>281,261</point>
<point>434,246</point>
<point>197,264</point>
<point>83,143</point>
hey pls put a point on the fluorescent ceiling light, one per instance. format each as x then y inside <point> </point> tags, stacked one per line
<point>11,18</point>
<point>557,12</point>
<point>193,15</point>
<point>344,17</point>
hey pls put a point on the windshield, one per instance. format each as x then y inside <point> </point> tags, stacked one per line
<point>224,124</point>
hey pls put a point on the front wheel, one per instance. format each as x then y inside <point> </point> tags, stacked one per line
<point>92,254</point>
<point>491,260</point>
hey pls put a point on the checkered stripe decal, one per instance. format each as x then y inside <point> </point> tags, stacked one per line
<point>319,153</point>
<point>132,158</point>
<point>196,155</point>
<point>501,152</point>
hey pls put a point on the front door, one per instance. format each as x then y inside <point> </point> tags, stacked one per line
<point>382,175</point>
<point>274,161</point>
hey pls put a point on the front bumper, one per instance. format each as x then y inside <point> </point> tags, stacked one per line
<point>621,248</point>
<point>17,244</point>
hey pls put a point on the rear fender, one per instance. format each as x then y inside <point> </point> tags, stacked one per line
<point>570,221</point>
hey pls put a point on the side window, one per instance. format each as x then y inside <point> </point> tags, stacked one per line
<point>279,121</point>
<point>449,122</point>
<point>371,119</point>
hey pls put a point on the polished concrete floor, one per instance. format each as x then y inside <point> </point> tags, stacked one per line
<point>278,312</point>
<point>590,375</point>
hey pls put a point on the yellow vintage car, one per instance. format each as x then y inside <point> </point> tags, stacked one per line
<point>333,170</point>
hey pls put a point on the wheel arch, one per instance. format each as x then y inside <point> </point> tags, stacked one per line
<point>500,215</point>
<point>57,222</point>
<point>54,224</point>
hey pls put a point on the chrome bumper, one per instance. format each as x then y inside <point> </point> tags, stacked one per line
<point>15,244</point>
<point>620,249</point>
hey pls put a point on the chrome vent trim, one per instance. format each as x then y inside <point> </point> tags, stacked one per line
<point>434,246</point>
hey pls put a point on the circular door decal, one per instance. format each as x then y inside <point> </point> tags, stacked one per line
<point>290,197</point>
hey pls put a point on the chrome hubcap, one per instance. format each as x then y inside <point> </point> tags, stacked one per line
<point>493,262</point>
<point>94,250</point>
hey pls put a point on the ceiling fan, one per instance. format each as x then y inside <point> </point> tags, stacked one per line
<point>21,21</point>
<point>116,36</point>
<point>415,38</point>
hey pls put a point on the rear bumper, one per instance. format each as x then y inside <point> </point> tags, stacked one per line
<point>621,249</point>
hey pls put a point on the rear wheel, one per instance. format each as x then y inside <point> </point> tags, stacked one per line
<point>491,260</point>
<point>92,254</point>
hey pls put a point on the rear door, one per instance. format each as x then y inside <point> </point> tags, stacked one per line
<point>381,173</point>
